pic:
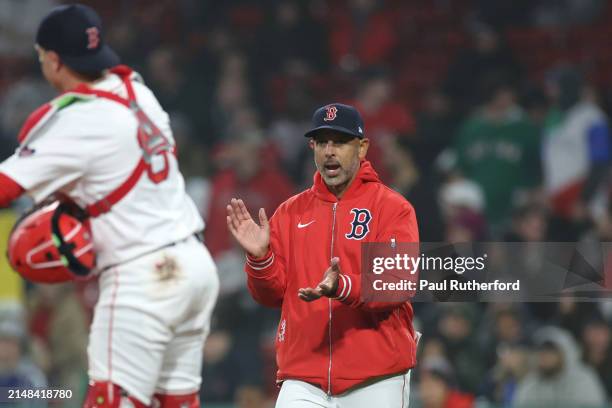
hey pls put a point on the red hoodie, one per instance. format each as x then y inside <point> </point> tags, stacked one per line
<point>339,343</point>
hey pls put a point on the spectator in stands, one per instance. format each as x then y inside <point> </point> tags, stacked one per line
<point>58,325</point>
<point>604,228</point>
<point>233,93</point>
<point>179,94</point>
<point>384,116</point>
<point>503,324</point>
<point>529,224</point>
<point>597,349</point>
<point>292,36</point>
<point>524,256</point>
<point>156,23</point>
<point>489,57</point>
<point>435,126</point>
<point>560,378</point>
<point>571,314</point>
<point>361,35</point>
<point>16,369</point>
<point>21,98</point>
<point>18,23</point>
<point>456,330</point>
<point>433,348</point>
<point>219,368</point>
<point>245,172</point>
<point>417,186</point>
<point>290,122</point>
<point>464,227</point>
<point>382,112</point>
<point>576,149</point>
<point>510,368</point>
<point>128,42</point>
<point>458,194</point>
<point>251,396</point>
<point>234,359</point>
<point>498,148</point>
<point>536,105</point>
<point>462,204</point>
<point>437,386</point>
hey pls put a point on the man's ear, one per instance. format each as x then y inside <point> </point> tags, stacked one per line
<point>311,143</point>
<point>54,60</point>
<point>364,144</point>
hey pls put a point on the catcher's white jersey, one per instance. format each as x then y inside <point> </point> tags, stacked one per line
<point>89,149</point>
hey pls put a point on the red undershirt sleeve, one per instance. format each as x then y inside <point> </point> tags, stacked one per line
<point>10,190</point>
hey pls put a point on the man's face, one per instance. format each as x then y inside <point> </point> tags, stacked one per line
<point>433,390</point>
<point>337,157</point>
<point>550,362</point>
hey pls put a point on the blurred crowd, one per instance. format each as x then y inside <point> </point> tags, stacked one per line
<point>492,118</point>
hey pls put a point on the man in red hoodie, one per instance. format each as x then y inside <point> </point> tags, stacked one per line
<point>333,348</point>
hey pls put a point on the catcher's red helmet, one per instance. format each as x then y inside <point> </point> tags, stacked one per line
<point>52,244</point>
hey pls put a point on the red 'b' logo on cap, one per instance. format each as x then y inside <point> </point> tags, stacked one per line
<point>330,114</point>
<point>93,38</point>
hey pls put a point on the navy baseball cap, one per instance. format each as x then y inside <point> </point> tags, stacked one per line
<point>74,32</point>
<point>337,116</point>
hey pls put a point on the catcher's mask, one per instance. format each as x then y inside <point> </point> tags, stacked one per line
<point>52,243</point>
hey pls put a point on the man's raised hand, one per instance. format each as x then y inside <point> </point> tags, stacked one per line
<point>253,238</point>
<point>327,287</point>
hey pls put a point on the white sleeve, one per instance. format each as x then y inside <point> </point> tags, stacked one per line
<point>53,159</point>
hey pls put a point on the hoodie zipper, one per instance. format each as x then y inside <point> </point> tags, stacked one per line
<point>331,252</point>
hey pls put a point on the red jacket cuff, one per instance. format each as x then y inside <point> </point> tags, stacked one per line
<point>345,287</point>
<point>262,263</point>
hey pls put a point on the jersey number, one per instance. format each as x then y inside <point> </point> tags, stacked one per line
<point>155,147</point>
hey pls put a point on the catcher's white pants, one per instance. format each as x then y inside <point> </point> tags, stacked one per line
<point>392,392</point>
<point>151,321</point>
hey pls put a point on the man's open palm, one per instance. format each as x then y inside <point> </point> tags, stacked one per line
<point>253,238</point>
<point>327,287</point>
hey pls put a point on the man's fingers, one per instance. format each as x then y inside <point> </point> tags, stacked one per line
<point>302,294</point>
<point>309,294</point>
<point>305,291</point>
<point>305,298</point>
<point>335,264</point>
<point>230,226</point>
<point>231,209</point>
<point>243,212</point>
<point>231,215</point>
<point>329,283</point>
<point>236,209</point>
<point>263,218</point>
